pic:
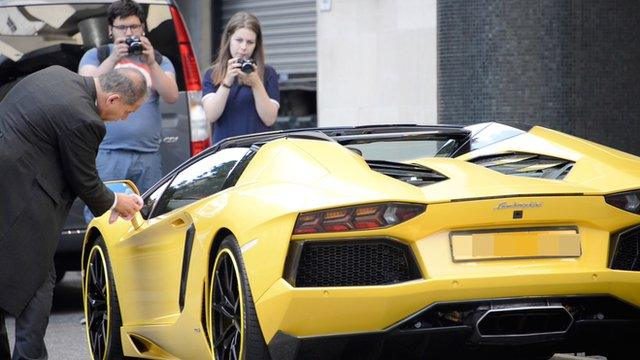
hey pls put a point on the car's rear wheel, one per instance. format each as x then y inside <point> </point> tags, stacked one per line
<point>101,309</point>
<point>234,329</point>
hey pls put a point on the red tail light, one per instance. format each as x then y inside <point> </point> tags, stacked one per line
<point>199,146</point>
<point>364,217</point>
<point>198,124</point>
<point>189,63</point>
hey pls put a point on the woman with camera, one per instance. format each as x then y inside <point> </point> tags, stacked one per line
<point>240,94</point>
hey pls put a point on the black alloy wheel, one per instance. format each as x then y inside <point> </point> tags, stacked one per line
<point>97,311</point>
<point>101,309</point>
<point>227,308</point>
<point>234,329</point>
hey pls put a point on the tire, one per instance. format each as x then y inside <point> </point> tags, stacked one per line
<point>101,308</point>
<point>234,330</point>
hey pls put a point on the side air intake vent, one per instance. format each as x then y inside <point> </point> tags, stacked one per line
<point>355,262</point>
<point>410,173</point>
<point>528,165</point>
<point>626,250</point>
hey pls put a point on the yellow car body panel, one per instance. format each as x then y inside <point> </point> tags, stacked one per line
<point>594,166</point>
<point>290,176</point>
<point>313,312</point>
<point>339,310</point>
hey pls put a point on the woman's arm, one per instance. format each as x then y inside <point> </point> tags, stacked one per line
<point>214,103</point>
<point>266,107</point>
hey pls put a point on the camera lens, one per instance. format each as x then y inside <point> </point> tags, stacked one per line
<point>135,46</point>
<point>246,66</point>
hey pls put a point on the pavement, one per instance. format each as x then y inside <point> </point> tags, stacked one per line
<point>65,338</point>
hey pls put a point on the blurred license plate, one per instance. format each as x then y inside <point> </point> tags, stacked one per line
<point>501,245</point>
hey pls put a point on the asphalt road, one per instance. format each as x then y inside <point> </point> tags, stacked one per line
<point>66,337</point>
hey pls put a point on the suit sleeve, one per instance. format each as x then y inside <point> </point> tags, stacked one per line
<point>78,150</point>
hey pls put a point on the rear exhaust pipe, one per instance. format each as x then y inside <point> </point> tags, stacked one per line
<point>523,324</point>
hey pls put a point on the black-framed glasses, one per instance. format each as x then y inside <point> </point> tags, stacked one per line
<point>125,27</point>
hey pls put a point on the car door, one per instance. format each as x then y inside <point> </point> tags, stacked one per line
<point>155,257</point>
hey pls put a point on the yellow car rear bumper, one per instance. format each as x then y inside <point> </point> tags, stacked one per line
<point>584,305</point>
<point>340,310</point>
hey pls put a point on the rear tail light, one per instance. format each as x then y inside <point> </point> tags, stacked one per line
<point>189,63</point>
<point>364,217</point>
<point>628,201</point>
<point>200,128</point>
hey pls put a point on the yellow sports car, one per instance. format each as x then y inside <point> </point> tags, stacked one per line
<point>375,242</point>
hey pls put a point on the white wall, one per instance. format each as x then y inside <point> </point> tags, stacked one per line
<point>376,62</point>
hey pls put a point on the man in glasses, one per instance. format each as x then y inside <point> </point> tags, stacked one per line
<point>131,148</point>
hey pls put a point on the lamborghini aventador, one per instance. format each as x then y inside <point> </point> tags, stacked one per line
<point>375,242</point>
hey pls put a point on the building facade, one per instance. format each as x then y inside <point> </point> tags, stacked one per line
<point>568,65</point>
<point>573,66</point>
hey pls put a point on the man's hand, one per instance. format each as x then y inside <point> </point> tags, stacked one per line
<point>148,55</point>
<point>120,49</point>
<point>126,207</point>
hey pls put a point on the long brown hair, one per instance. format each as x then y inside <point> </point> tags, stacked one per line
<point>239,20</point>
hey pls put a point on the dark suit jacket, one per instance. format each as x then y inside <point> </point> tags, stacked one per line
<point>49,136</point>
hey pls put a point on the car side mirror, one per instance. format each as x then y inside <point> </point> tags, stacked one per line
<point>126,187</point>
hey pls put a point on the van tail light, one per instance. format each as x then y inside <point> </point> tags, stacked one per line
<point>199,146</point>
<point>189,63</point>
<point>364,217</point>
<point>199,126</point>
<point>628,201</point>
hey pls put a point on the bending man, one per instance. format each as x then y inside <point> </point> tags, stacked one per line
<point>51,124</point>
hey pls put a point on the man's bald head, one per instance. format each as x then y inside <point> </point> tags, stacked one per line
<point>130,84</point>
